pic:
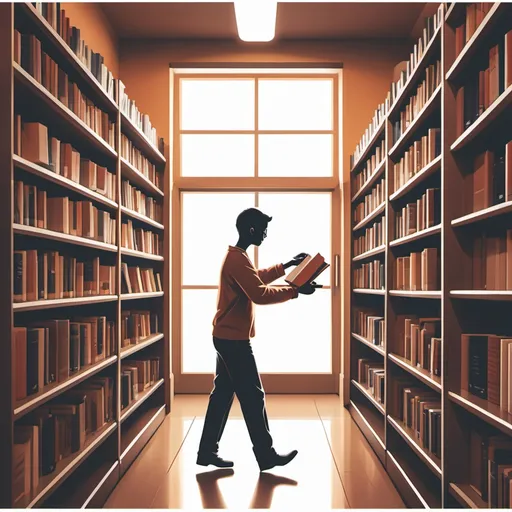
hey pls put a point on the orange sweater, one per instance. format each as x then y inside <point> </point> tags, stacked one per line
<point>241,285</point>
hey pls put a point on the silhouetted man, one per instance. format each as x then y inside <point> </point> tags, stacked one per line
<point>241,285</point>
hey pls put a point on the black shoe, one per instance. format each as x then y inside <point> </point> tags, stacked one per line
<point>214,460</point>
<point>274,459</point>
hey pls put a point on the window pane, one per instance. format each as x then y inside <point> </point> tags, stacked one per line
<point>295,104</point>
<point>217,155</point>
<point>301,222</point>
<point>198,310</point>
<point>209,227</point>
<point>295,155</point>
<point>294,336</point>
<point>217,104</point>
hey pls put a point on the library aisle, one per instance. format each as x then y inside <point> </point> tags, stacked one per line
<point>335,467</point>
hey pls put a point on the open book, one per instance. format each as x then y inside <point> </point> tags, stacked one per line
<point>307,271</point>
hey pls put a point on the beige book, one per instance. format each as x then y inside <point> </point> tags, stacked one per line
<point>308,270</point>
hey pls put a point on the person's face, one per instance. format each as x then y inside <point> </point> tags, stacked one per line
<point>259,234</point>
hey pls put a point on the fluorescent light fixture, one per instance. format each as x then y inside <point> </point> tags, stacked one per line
<point>256,20</point>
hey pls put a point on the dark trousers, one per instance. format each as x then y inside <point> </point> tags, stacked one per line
<point>236,372</point>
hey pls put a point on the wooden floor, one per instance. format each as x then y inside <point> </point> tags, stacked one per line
<point>335,467</point>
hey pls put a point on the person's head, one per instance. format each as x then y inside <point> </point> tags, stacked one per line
<point>252,225</point>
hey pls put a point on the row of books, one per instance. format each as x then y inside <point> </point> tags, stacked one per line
<point>373,237</point>
<point>486,368</point>
<point>490,183</point>
<point>29,54</point>
<point>134,156</point>
<point>418,271</point>
<point>474,14</point>
<point>371,375</point>
<point>138,201</point>
<point>139,280</point>
<point>138,325</point>
<point>370,276</point>
<point>58,429</point>
<point>377,120</point>
<point>485,86</point>
<point>491,467</point>
<point>418,100</point>
<point>371,201</point>
<point>33,142</point>
<point>370,326</point>
<point>419,341</point>
<point>43,274</point>
<point>422,214</point>
<point>136,377</point>
<point>53,350</point>
<point>32,207</point>
<point>140,120</point>
<point>139,239</point>
<point>376,158</point>
<point>420,411</point>
<point>492,261</point>
<point>416,157</point>
<point>94,62</point>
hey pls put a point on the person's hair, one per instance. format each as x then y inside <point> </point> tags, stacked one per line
<point>250,218</point>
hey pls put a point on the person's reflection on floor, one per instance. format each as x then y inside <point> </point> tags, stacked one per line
<point>264,491</point>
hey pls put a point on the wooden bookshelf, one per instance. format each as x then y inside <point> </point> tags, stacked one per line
<point>85,477</point>
<point>379,171</point>
<point>423,479</point>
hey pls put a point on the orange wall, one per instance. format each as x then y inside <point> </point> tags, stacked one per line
<point>367,74</point>
<point>96,30</point>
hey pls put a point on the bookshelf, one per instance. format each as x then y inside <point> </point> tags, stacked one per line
<point>434,464</point>
<point>70,224</point>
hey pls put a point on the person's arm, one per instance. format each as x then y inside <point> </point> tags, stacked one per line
<point>269,275</point>
<point>246,276</point>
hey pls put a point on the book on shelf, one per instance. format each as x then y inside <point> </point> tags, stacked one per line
<point>306,271</point>
<point>135,157</point>
<point>422,214</point>
<point>418,271</point>
<point>370,374</point>
<point>371,201</point>
<point>139,239</point>
<point>369,325</point>
<point>136,377</point>
<point>374,160</point>
<point>370,276</point>
<point>372,238</point>
<point>138,325</point>
<point>139,280</point>
<point>137,201</point>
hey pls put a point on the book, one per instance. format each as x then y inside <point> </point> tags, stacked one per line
<point>308,270</point>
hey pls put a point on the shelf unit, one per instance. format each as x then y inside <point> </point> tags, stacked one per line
<point>424,480</point>
<point>86,477</point>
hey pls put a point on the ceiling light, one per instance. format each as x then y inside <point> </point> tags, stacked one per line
<point>256,19</point>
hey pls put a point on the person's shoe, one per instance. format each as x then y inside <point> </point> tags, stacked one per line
<point>273,459</point>
<point>214,460</point>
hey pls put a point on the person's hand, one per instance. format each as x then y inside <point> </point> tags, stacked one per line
<point>296,260</point>
<point>309,288</point>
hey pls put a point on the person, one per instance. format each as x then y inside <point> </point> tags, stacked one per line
<point>241,286</point>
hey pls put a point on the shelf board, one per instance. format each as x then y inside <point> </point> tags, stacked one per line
<point>369,291</point>
<point>407,434</point>
<point>417,179</point>
<point>486,213</point>
<point>485,410</point>
<point>420,294</point>
<point>53,38</point>
<point>140,140</point>
<point>56,388</point>
<point>143,396</point>
<point>432,104</point>
<point>48,483</point>
<point>379,349</point>
<point>432,46</point>
<point>463,60</point>
<point>57,303</point>
<point>454,12</point>
<point>430,380</point>
<point>42,172</point>
<point>143,343</point>
<point>140,254</point>
<point>379,171</point>
<point>378,211</point>
<point>368,395</point>
<point>368,425</point>
<point>503,102</point>
<point>20,229</point>
<point>141,218</point>
<point>131,173</point>
<point>368,254</point>
<point>482,294</point>
<point>467,496</point>
<point>424,233</point>
<point>143,295</point>
<point>61,111</point>
<point>371,144</point>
